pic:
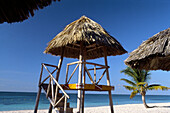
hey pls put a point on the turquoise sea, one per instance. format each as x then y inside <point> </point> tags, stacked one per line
<point>26,101</point>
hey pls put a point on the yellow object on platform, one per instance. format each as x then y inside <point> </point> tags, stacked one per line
<point>89,87</point>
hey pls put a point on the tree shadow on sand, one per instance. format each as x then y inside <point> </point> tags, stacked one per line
<point>159,106</point>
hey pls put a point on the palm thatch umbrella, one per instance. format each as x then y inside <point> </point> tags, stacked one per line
<point>93,36</point>
<point>19,10</point>
<point>152,54</point>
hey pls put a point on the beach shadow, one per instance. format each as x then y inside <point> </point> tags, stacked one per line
<point>160,107</point>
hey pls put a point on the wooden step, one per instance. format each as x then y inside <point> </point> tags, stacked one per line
<point>69,110</point>
<point>60,106</point>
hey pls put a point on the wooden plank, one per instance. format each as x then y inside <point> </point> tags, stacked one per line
<point>96,68</point>
<point>104,66</point>
<point>50,65</point>
<point>74,63</point>
<point>87,87</point>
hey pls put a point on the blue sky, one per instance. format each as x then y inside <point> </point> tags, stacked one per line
<point>130,21</point>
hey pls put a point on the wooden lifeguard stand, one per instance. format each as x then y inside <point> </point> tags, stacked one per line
<point>83,39</point>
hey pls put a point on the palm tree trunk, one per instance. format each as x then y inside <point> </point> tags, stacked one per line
<point>144,102</point>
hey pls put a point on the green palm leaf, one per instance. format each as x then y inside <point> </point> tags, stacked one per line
<point>129,87</point>
<point>128,81</point>
<point>141,83</point>
<point>133,94</point>
<point>158,87</point>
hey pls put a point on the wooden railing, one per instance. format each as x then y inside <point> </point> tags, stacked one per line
<point>87,71</point>
<point>53,82</point>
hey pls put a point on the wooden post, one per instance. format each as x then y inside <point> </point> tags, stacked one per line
<point>39,91</point>
<point>79,96</point>
<point>108,80</point>
<point>84,80</point>
<point>60,64</point>
<point>58,73</point>
<point>95,74</point>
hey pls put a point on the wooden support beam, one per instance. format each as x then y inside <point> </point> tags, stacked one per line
<point>47,77</point>
<point>39,91</point>
<point>101,77</point>
<point>92,45</point>
<point>52,90</point>
<point>94,48</point>
<point>89,74</point>
<point>108,80</point>
<point>60,100</point>
<point>72,74</point>
<point>60,64</point>
<point>74,63</point>
<point>67,74</point>
<point>96,68</point>
<point>79,97</point>
<point>48,89</point>
<point>58,72</point>
<point>50,65</point>
<point>56,93</point>
<point>104,66</point>
<point>65,105</point>
<point>94,73</point>
<point>57,83</point>
<point>84,81</point>
<point>72,47</point>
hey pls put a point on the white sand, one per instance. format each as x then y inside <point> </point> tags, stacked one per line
<point>128,108</point>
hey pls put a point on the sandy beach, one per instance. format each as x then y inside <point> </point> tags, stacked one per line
<point>127,108</point>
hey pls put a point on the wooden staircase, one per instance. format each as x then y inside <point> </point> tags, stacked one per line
<point>60,106</point>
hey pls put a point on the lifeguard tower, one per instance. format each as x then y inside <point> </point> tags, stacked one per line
<point>83,39</point>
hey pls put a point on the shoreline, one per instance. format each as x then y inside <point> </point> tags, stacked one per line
<point>125,108</point>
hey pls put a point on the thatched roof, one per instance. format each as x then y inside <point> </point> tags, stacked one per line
<point>93,36</point>
<point>152,54</point>
<point>19,10</point>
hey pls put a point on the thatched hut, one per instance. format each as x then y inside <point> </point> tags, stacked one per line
<point>19,10</point>
<point>83,39</point>
<point>93,36</point>
<point>152,54</point>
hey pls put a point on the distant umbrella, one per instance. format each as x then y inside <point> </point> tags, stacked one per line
<point>19,10</point>
<point>152,54</point>
<point>93,36</point>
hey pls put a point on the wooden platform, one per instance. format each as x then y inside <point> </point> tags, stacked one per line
<point>87,87</point>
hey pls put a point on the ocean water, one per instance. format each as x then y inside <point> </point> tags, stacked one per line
<point>26,101</point>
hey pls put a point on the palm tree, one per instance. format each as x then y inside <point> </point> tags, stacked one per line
<point>139,83</point>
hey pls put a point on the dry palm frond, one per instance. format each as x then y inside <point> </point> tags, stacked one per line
<point>152,54</point>
<point>93,36</point>
<point>19,10</point>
